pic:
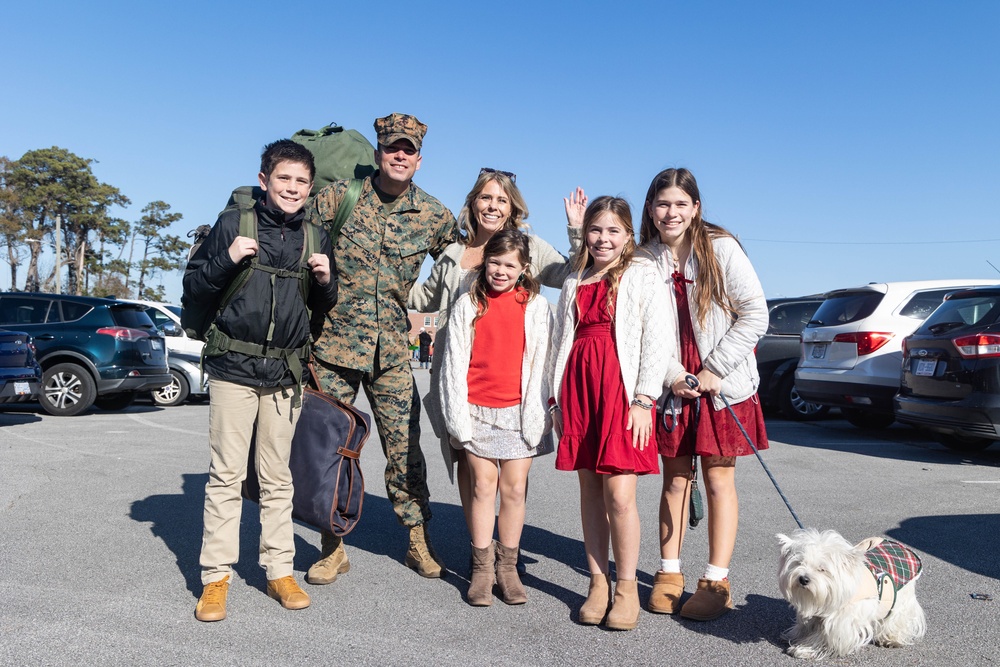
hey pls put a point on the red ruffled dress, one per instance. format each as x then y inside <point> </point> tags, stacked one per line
<point>593,401</point>
<point>716,434</point>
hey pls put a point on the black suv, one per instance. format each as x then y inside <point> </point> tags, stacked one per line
<point>778,353</point>
<point>92,351</point>
<point>950,381</point>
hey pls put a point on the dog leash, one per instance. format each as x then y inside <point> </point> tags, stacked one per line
<point>759,458</point>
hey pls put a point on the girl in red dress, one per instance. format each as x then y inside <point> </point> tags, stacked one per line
<point>612,340</point>
<point>721,313</point>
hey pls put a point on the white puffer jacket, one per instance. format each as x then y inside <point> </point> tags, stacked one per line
<point>725,344</point>
<point>644,326</point>
<point>534,383</point>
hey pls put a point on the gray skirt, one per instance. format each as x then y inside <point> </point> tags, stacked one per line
<point>496,434</point>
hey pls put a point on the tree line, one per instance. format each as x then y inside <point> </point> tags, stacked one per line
<point>50,198</point>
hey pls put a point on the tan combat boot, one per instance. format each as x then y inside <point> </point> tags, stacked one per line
<point>212,605</point>
<point>420,556</point>
<point>333,561</point>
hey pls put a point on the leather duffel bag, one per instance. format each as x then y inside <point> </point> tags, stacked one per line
<point>326,472</point>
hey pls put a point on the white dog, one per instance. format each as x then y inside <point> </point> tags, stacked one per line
<point>845,597</point>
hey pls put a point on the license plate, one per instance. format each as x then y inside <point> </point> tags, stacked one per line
<point>925,367</point>
<point>156,343</point>
<point>21,389</point>
<point>819,351</point>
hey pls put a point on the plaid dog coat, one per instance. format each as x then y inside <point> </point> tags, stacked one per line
<point>893,566</point>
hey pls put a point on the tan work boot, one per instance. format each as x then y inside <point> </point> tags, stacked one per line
<point>668,587</point>
<point>420,556</point>
<point>483,575</point>
<point>333,561</point>
<point>511,588</point>
<point>598,601</point>
<point>287,591</point>
<point>709,602</point>
<point>212,605</point>
<point>624,614</point>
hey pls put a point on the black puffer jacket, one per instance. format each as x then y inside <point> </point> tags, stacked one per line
<point>248,315</point>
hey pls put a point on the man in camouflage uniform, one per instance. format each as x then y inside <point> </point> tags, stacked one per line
<point>379,253</point>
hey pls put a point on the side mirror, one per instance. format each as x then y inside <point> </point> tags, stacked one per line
<point>171,329</point>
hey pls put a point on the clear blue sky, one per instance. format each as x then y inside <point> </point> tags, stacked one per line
<point>842,142</point>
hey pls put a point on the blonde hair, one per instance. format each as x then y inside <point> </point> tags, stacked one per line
<point>622,214</point>
<point>518,208</point>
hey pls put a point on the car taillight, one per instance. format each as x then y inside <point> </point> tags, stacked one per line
<point>124,333</point>
<point>867,341</point>
<point>978,346</point>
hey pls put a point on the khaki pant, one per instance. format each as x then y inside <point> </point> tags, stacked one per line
<point>233,411</point>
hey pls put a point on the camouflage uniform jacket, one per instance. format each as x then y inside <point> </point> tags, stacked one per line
<point>379,254</point>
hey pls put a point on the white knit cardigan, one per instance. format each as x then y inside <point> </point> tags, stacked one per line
<point>535,420</point>
<point>725,344</point>
<point>644,328</point>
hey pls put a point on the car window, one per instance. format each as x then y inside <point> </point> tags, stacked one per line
<point>23,310</point>
<point>134,318</point>
<point>176,310</point>
<point>976,310</point>
<point>923,304</point>
<point>845,308</point>
<point>71,311</point>
<point>791,318</point>
<point>159,318</point>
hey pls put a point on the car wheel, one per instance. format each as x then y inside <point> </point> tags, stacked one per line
<point>67,390</point>
<point>963,443</point>
<point>795,407</point>
<point>174,393</point>
<point>118,401</point>
<point>867,419</point>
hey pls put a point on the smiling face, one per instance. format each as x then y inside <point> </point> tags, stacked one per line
<point>606,237</point>
<point>397,163</point>
<point>287,187</point>
<point>492,209</point>
<point>502,271</point>
<point>672,212</point>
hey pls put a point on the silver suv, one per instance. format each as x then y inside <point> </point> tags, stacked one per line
<point>852,348</point>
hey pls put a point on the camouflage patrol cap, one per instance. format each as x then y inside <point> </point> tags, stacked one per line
<point>399,126</point>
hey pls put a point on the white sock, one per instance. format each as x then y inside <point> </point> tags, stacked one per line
<point>670,565</point>
<point>713,573</point>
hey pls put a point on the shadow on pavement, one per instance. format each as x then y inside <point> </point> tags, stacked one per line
<point>967,541</point>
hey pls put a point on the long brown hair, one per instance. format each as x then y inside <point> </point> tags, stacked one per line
<point>709,280</point>
<point>501,243</point>
<point>622,213</point>
<point>518,208</point>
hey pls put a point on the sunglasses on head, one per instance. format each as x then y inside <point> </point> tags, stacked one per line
<point>509,174</point>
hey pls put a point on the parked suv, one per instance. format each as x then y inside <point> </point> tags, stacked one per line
<point>92,351</point>
<point>778,354</point>
<point>950,381</point>
<point>852,348</point>
<point>20,374</point>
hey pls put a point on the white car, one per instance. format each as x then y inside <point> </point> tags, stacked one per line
<point>852,348</point>
<point>184,358</point>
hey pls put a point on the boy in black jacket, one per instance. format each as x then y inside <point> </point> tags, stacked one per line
<point>257,379</point>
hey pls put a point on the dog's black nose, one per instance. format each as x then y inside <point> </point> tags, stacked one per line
<point>803,580</point>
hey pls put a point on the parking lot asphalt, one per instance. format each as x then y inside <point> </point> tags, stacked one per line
<point>100,517</point>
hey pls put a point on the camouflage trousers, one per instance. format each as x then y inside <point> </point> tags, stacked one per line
<point>396,407</point>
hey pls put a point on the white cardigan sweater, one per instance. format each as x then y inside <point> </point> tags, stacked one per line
<point>644,327</point>
<point>725,344</point>
<point>534,385</point>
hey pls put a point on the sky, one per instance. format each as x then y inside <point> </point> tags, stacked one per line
<point>843,143</point>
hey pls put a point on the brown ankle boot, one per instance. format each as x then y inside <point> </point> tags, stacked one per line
<point>668,587</point>
<point>709,602</point>
<point>598,602</point>
<point>508,580</point>
<point>624,614</point>
<point>333,561</point>
<point>483,576</point>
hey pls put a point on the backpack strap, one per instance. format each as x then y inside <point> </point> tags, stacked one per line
<point>346,207</point>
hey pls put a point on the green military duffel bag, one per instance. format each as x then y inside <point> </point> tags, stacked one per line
<point>338,153</point>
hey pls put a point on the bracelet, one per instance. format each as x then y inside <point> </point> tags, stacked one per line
<point>642,404</point>
<point>553,408</point>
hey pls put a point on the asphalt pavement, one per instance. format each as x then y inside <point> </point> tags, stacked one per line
<point>100,517</point>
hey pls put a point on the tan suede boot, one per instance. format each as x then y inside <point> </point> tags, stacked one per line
<point>668,587</point>
<point>482,578</point>
<point>333,561</point>
<point>598,601</point>
<point>624,614</point>
<point>709,602</point>
<point>508,580</point>
<point>420,556</point>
